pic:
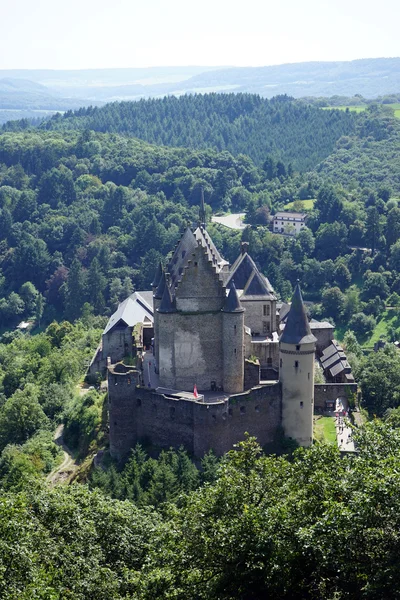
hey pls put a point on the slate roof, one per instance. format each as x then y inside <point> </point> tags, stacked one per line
<point>184,250</point>
<point>160,288</point>
<point>297,329</point>
<point>245,275</point>
<point>203,236</point>
<point>135,309</point>
<point>314,324</point>
<point>331,349</point>
<point>157,276</point>
<point>167,303</point>
<point>232,303</point>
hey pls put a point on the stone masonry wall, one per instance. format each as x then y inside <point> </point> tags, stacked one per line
<point>254,316</point>
<point>117,343</point>
<point>331,391</point>
<point>138,414</point>
<point>190,350</point>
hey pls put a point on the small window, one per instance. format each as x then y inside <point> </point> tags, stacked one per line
<point>183,253</point>
<point>257,409</point>
<point>234,329</point>
<point>214,417</point>
<point>296,364</point>
<point>235,350</point>
<point>129,381</point>
<point>301,404</point>
<point>297,348</point>
<point>280,363</point>
<point>268,310</point>
<point>265,327</point>
<point>195,263</point>
<point>264,310</point>
<point>308,375</point>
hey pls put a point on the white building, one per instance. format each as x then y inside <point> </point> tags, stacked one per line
<point>290,223</point>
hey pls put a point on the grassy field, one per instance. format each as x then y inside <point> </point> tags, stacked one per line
<point>390,318</point>
<point>356,109</point>
<point>308,205</point>
<point>324,429</point>
<point>361,108</point>
<point>396,108</point>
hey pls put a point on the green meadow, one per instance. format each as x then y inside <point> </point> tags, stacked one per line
<point>307,205</point>
<point>362,107</point>
<point>324,429</point>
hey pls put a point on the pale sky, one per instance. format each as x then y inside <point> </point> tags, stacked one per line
<point>80,34</point>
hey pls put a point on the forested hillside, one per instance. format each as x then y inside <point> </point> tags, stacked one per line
<point>315,526</point>
<point>369,157</point>
<point>240,123</point>
<point>85,216</point>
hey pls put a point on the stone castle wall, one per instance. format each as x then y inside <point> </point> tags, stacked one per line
<point>254,316</point>
<point>330,391</point>
<point>117,343</point>
<point>190,350</point>
<point>141,415</point>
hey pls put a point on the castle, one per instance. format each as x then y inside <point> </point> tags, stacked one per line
<point>223,357</point>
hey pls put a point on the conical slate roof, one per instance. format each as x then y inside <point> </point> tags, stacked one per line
<point>157,275</point>
<point>297,329</point>
<point>160,288</point>
<point>167,305</point>
<point>232,302</point>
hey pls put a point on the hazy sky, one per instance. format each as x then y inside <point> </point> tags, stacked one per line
<point>78,34</point>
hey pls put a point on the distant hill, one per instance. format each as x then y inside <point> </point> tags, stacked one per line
<point>370,77</point>
<point>23,98</point>
<point>240,123</point>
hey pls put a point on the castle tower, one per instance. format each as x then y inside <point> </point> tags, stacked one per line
<point>233,343</point>
<point>296,373</point>
<point>158,293</point>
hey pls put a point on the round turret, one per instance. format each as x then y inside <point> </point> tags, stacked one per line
<point>233,343</point>
<point>296,373</point>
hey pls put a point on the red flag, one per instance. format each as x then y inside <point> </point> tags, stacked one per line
<point>195,394</point>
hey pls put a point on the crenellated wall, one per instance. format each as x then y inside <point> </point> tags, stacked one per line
<point>141,415</point>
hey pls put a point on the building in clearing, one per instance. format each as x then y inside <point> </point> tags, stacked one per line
<point>222,361</point>
<point>290,223</point>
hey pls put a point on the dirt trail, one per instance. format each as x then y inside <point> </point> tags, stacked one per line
<point>63,472</point>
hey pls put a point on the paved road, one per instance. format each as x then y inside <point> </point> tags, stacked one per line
<point>344,432</point>
<point>232,221</point>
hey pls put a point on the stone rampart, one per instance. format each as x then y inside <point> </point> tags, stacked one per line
<point>138,414</point>
<point>324,392</point>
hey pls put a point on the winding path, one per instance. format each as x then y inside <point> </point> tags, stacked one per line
<point>63,472</point>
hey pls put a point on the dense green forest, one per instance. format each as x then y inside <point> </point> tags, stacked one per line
<point>316,526</point>
<point>239,123</point>
<point>85,216</point>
